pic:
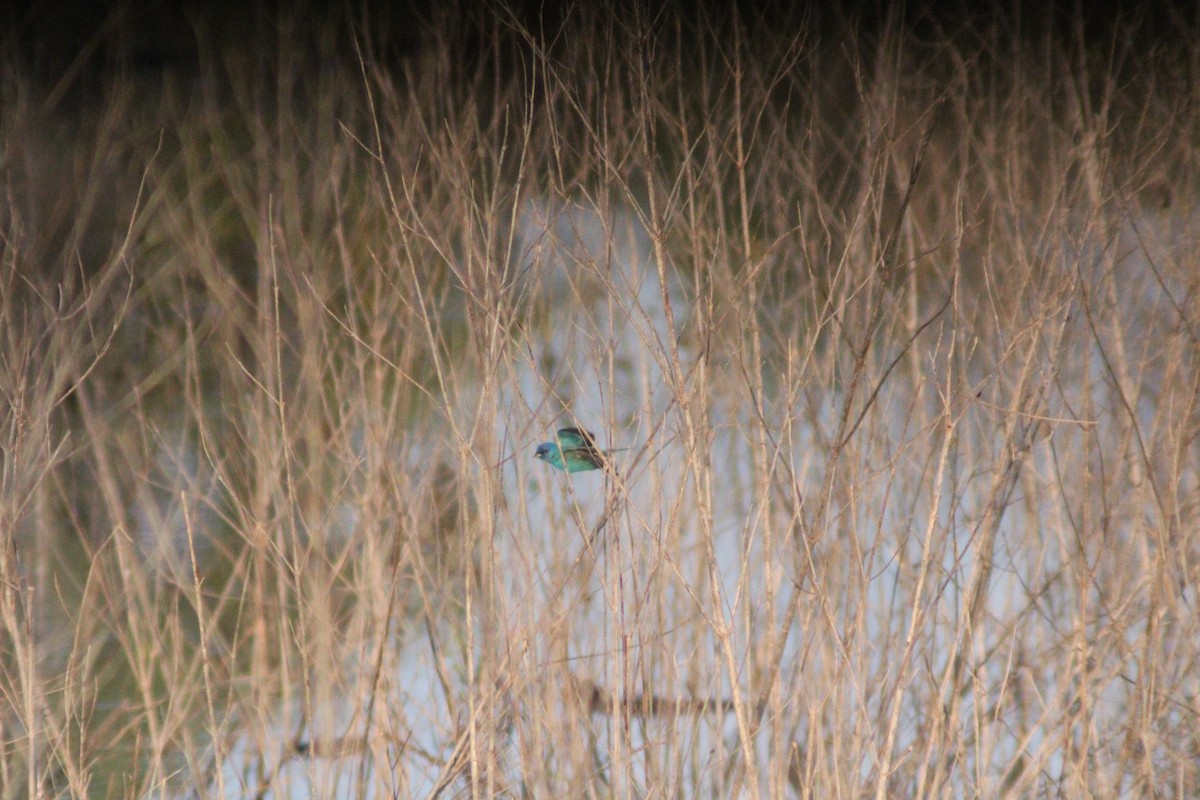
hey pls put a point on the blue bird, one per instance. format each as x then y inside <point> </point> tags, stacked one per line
<point>574,450</point>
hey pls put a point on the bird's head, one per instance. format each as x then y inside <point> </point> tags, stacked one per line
<point>551,453</point>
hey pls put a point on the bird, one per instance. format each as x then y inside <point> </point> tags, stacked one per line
<point>574,450</point>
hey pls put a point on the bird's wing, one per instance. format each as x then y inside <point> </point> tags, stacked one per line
<point>572,438</point>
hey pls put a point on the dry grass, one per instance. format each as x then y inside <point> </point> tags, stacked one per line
<point>898,324</point>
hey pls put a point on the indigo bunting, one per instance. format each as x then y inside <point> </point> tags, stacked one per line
<point>574,451</point>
